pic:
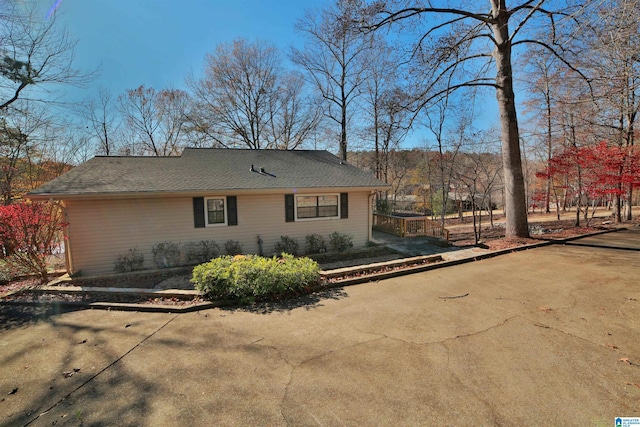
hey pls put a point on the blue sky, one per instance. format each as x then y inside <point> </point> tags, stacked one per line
<point>157,43</point>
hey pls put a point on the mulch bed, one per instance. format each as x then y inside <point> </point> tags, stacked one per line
<point>388,268</point>
<point>494,238</point>
<point>17,285</point>
<point>139,279</point>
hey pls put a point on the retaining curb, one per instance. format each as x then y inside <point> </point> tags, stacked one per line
<point>159,308</point>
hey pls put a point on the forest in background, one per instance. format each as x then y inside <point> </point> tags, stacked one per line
<point>370,78</point>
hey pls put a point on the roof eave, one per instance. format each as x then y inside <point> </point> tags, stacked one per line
<point>194,193</point>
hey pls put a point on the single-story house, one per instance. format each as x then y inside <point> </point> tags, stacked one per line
<point>114,204</point>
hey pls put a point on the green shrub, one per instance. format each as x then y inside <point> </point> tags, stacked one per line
<point>287,245</point>
<point>314,244</point>
<point>251,277</point>
<point>199,252</point>
<point>131,261</point>
<point>232,247</point>
<point>340,242</point>
<point>166,254</point>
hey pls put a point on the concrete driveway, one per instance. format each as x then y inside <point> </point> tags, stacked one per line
<point>544,337</point>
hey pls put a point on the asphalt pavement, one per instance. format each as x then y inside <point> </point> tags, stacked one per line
<point>544,337</point>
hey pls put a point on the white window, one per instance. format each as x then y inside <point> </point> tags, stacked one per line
<point>317,206</point>
<point>214,211</point>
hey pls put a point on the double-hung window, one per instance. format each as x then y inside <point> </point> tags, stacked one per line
<point>215,211</point>
<point>321,206</point>
<point>324,206</point>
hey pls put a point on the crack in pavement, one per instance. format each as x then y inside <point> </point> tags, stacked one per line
<point>381,335</point>
<point>294,368</point>
<point>284,396</point>
<point>473,334</point>
<point>377,336</point>
<point>544,325</point>
<point>100,372</point>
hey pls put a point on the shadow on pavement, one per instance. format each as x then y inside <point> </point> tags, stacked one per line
<point>15,316</point>
<point>67,398</point>
<point>307,302</point>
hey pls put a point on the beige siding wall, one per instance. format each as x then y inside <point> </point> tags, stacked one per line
<point>100,230</point>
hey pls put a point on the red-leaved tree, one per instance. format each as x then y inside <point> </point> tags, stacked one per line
<point>595,173</point>
<point>29,233</point>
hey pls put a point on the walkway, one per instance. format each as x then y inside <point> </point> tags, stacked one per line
<point>416,246</point>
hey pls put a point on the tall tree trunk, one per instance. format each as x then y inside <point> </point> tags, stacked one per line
<point>579,197</point>
<point>515,202</point>
<point>547,199</point>
<point>630,143</point>
<point>617,204</point>
<point>376,133</point>
<point>343,124</point>
<point>476,238</point>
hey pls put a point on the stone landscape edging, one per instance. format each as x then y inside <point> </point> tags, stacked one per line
<point>160,308</point>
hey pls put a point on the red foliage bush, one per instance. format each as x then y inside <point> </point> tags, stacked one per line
<point>597,170</point>
<point>29,232</point>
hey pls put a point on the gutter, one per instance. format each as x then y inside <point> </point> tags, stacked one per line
<point>193,193</point>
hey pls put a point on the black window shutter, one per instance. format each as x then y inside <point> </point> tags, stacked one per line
<point>232,210</point>
<point>198,212</point>
<point>344,205</point>
<point>289,208</point>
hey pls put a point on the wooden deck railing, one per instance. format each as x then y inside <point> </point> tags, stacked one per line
<point>409,226</point>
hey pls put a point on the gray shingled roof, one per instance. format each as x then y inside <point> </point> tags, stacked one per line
<point>209,170</point>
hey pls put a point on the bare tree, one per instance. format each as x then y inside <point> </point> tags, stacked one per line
<point>615,67</point>
<point>246,98</point>
<point>58,146</point>
<point>155,120</point>
<point>442,113</point>
<point>29,142</point>
<point>469,37</point>
<point>477,173</point>
<point>14,144</point>
<point>542,103</point>
<point>384,100</point>
<point>334,57</point>
<point>400,165</point>
<point>102,121</point>
<point>34,51</point>
<point>293,117</point>
<point>233,96</point>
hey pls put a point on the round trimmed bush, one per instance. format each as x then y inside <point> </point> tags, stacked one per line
<point>251,277</point>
